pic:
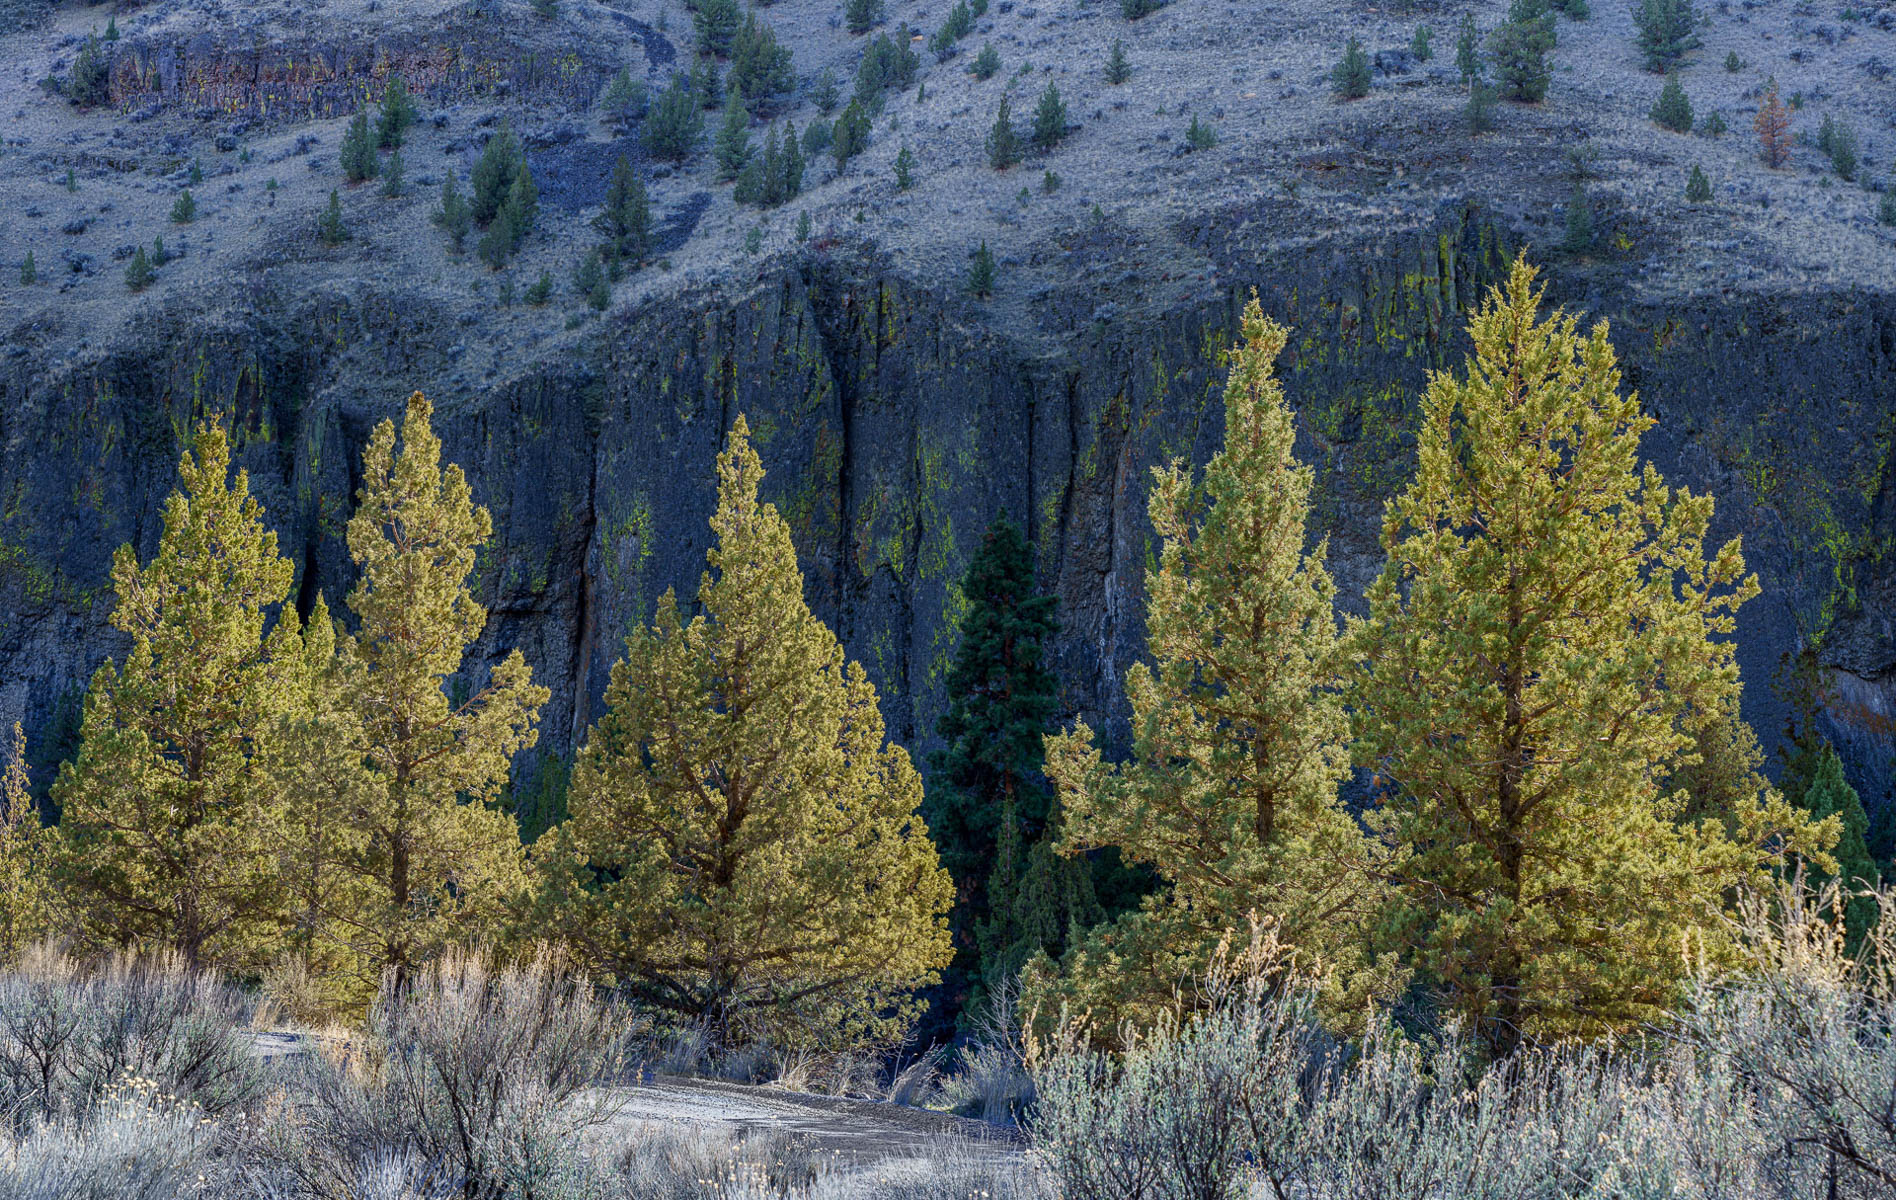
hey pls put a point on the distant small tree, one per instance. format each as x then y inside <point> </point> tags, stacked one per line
<point>1672,110</point>
<point>1050,120</point>
<point>1132,10</point>
<point>986,64</point>
<point>904,170</point>
<point>1773,124</point>
<point>1118,70</point>
<point>1419,44</point>
<point>394,175</point>
<point>91,78</point>
<point>589,282</point>
<point>1519,48</point>
<point>1838,140</point>
<point>624,100</point>
<point>1698,189</point>
<point>1886,209</point>
<point>1733,64</point>
<point>111,28</point>
<point>1479,111</point>
<point>494,173</point>
<point>862,15</point>
<point>1579,235</point>
<point>195,175</point>
<point>329,227</point>
<point>716,23</point>
<point>546,10</point>
<point>359,161</point>
<point>981,272</point>
<point>1349,79</point>
<point>1468,51</point>
<point>627,219</point>
<point>850,135</point>
<point>1666,30</point>
<point>541,290</point>
<point>676,122</point>
<point>887,62</point>
<point>704,83</point>
<point>732,148</point>
<point>398,114</point>
<point>138,273</point>
<point>1200,136</point>
<point>184,211</point>
<point>159,255</point>
<point>453,217</point>
<point>824,92</point>
<point>1003,145</point>
<point>29,271</point>
<point>1713,126</point>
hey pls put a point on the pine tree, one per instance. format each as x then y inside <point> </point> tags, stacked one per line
<point>761,67</point>
<point>440,862</point>
<point>1713,126</point>
<point>25,898</point>
<point>904,170</point>
<point>676,122</point>
<point>29,271</point>
<point>1672,110</point>
<point>1773,124</point>
<point>91,80</point>
<point>184,211</point>
<point>1698,189</point>
<point>454,217</point>
<point>1468,51</point>
<point>627,220</point>
<point>1815,783</point>
<point>1199,136</point>
<point>1546,629</point>
<point>494,174</point>
<point>1578,238</point>
<point>733,148</point>
<point>397,115</point>
<point>111,28</point>
<point>624,99</point>
<point>1118,70</point>
<point>1239,738</point>
<point>990,805</point>
<point>1349,79</point>
<point>850,136</point>
<point>358,157</point>
<point>1519,47</point>
<point>1419,46</point>
<point>981,272</point>
<point>138,272</point>
<point>862,15</point>
<point>1003,145</point>
<point>745,848</point>
<point>329,227</point>
<point>1666,31</point>
<point>167,820</point>
<point>394,175</point>
<point>1838,140</point>
<point>589,283</point>
<point>986,64</point>
<point>1050,120</point>
<point>824,92</point>
<point>716,23</point>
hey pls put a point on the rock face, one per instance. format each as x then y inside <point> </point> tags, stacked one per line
<point>895,424</point>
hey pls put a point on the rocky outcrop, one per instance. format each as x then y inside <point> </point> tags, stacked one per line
<point>895,422</point>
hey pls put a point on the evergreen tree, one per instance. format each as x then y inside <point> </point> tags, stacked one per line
<point>745,848</point>
<point>1468,51</point>
<point>1349,79</point>
<point>25,898</point>
<point>1118,70</point>
<point>981,272</point>
<point>760,66</point>
<point>138,272</point>
<point>1544,632</point>
<point>329,227</point>
<point>395,175</point>
<point>358,157</point>
<point>627,220</point>
<point>589,283</point>
<point>1713,126</point>
<point>824,92</point>
<point>991,806</point>
<point>1419,44</point>
<point>862,15</point>
<point>624,99</point>
<point>904,170</point>
<point>440,863</point>
<point>1666,30</point>
<point>716,23</point>
<point>672,130</point>
<point>454,217</point>
<point>1838,140</point>
<point>1519,47</point>
<point>1773,124</point>
<point>494,174</point>
<point>1814,782</point>
<point>1003,144</point>
<point>1479,111</point>
<point>704,83</point>
<point>397,115</point>
<point>1199,136</point>
<point>1239,738</point>
<point>91,80</point>
<point>184,211</point>
<point>986,64</point>
<point>1132,10</point>
<point>1578,238</point>
<point>1698,189</point>
<point>733,148</point>
<point>111,28</point>
<point>1050,120</point>
<point>167,820</point>
<point>850,136</point>
<point>1672,110</point>
<point>29,271</point>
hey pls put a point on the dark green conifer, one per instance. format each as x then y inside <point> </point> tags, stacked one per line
<point>329,226</point>
<point>1003,144</point>
<point>981,273</point>
<point>453,217</point>
<point>1666,30</point>
<point>987,63</point>
<point>675,123</point>
<point>358,158</point>
<point>862,15</point>
<point>904,170</point>
<point>1672,110</point>
<point>733,148</point>
<point>138,274</point>
<point>1698,189</point>
<point>1050,120</point>
<point>1350,77</point>
<point>1118,70</point>
<point>398,113</point>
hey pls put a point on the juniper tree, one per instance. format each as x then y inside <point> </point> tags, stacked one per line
<point>168,824</point>
<point>886,63</point>
<point>1239,738</point>
<point>1713,126</point>
<point>184,210</point>
<point>111,28</point>
<point>1132,10</point>
<point>862,15</point>
<point>138,272</point>
<point>1050,120</point>
<point>987,63</point>
<point>329,227</point>
<point>745,847</point>
<point>627,219</point>
<point>25,895</point>
<point>676,122</point>
<point>1672,110</point>
<point>1544,635</point>
<point>1519,47</point>
<point>397,115</point>
<point>1003,144</point>
<point>91,80</point>
<point>1578,238</point>
<point>439,862</point>
<point>904,170</point>
<point>541,289</point>
<point>1814,782</point>
<point>358,157</point>
<point>1349,79</point>
<point>1118,70</point>
<point>716,23</point>
<point>1666,30</point>
<point>454,217</point>
<point>589,282</point>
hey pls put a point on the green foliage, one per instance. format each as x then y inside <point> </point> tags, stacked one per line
<point>72,180</point>
<point>1132,10</point>
<point>1118,70</point>
<point>981,271</point>
<point>732,148</point>
<point>1838,140</point>
<point>676,122</point>
<point>195,175</point>
<point>397,116</point>
<point>1545,646</point>
<point>329,227</point>
<point>546,10</point>
<point>494,174</point>
<point>1468,50</point>
<point>184,209</point>
<point>803,226</point>
<point>624,100</point>
<point>1579,235</point>
<point>1200,136</point>
<point>111,28</point>
<point>29,271</point>
<point>745,847</point>
<point>776,176</point>
<point>454,217</point>
<point>1349,79</point>
<point>1885,209</point>
<point>1698,189</point>
<point>824,92</point>
<point>886,63</point>
<point>1519,48</point>
<point>1050,182</point>
<point>817,137</point>
<point>1050,120</point>
<point>394,175</point>
<point>167,823</point>
<point>959,24</point>
<point>627,219</point>
<point>850,135</point>
<point>589,282</point>
<point>1672,110</point>
<point>704,82</point>
<point>1666,29</point>
<point>904,169</point>
<point>357,156</point>
<point>514,221</point>
<point>1419,44</point>
<point>760,65</point>
<point>862,15</point>
<point>986,64</point>
<point>91,78</point>
<point>1733,64</point>
<point>1003,144</point>
<point>26,897</point>
<point>1713,126</point>
<point>1479,111</point>
<point>1814,782</point>
<point>541,290</point>
<point>716,23</point>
